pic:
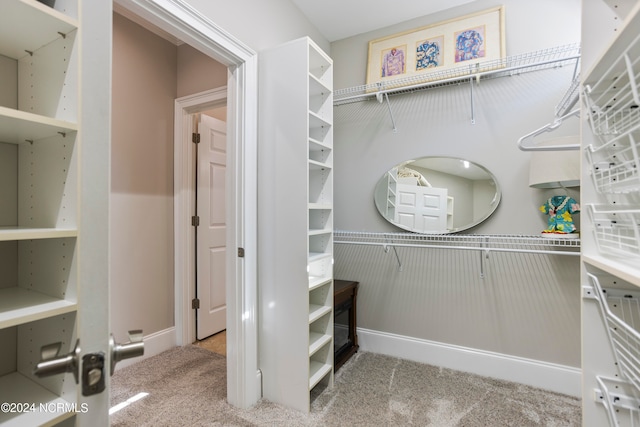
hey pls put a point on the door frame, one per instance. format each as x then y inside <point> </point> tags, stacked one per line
<point>184,202</point>
<point>179,19</point>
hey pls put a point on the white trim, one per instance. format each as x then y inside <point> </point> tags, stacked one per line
<point>182,21</point>
<point>548,376</point>
<point>154,344</point>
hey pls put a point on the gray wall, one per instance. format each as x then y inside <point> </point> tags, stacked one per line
<point>260,24</point>
<point>527,305</point>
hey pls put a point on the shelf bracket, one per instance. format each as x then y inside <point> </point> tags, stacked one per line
<point>484,254</point>
<point>379,97</point>
<point>385,247</point>
<point>473,116</point>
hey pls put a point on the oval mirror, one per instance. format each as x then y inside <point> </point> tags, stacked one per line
<point>437,195</point>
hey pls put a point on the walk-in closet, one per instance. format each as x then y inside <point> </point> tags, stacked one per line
<point>423,214</point>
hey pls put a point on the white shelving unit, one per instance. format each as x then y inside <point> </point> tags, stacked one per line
<point>295,230</point>
<point>39,123</point>
<point>610,193</point>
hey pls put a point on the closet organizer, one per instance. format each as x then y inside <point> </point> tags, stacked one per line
<point>611,195</point>
<point>295,226</point>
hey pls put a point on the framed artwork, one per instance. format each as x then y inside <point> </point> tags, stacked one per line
<point>416,54</point>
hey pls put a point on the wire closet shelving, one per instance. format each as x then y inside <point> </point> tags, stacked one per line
<point>469,242</point>
<point>509,66</point>
<point>478,242</point>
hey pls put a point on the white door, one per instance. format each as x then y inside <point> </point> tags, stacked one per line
<point>212,228</point>
<point>421,209</point>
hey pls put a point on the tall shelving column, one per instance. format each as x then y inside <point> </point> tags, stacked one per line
<point>39,123</point>
<point>295,222</point>
<point>610,199</point>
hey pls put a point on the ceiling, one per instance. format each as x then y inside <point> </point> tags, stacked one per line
<point>339,19</point>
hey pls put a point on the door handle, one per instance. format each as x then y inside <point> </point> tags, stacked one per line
<point>53,363</point>
<point>133,348</point>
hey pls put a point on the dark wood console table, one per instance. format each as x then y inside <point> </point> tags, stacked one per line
<point>344,323</point>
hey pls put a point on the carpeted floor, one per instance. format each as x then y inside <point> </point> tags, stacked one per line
<point>187,387</point>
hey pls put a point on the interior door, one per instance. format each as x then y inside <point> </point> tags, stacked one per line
<point>421,208</point>
<point>212,228</point>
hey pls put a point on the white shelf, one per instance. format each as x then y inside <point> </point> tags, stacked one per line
<point>27,233</point>
<point>317,372</point>
<point>317,341</point>
<point>315,145</point>
<point>617,47</point>
<point>316,281</point>
<point>316,256</point>
<point>314,165</point>
<point>325,206</point>
<point>44,25</point>
<point>317,87</point>
<point>625,270</point>
<point>317,311</point>
<point>17,388</point>
<point>315,121</point>
<point>17,126</point>
<point>19,306</point>
<point>318,232</point>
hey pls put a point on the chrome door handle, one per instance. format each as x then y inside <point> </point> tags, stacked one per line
<point>133,348</point>
<point>53,363</point>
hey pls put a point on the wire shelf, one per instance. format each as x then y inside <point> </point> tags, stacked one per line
<point>616,231</point>
<point>620,310</point>
<point>614,166</point>
<point>489,242</point>
<point>613,101</point>
<point>617,396</point>
<point>509,66</point>
<point>570,98</point>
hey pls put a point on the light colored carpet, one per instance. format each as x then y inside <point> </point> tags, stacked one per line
<point>187,387</point>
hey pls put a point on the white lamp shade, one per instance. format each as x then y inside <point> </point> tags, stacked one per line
<point>555,169</point>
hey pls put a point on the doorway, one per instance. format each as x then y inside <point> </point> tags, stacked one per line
<point>181,21</point>
<point>211,224</point>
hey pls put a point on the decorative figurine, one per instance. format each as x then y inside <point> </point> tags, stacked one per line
<point>560,222</point>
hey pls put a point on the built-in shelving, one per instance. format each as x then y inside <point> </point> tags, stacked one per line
<point>296,197</point>
<point>19,127</point>
<point>19,389</point>
<point>610,195</point>
<point>19,305</point>
<point>36,27</point>
<point>39,209</point>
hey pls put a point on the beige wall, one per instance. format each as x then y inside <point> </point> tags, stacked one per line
<point>144,88</point>
<point>198,72</point>
<point>148,74</point>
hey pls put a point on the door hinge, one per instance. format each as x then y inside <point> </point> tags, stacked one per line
<point>195,138</point>
<point>240,252</point>
<point>195,304</point>
<point>195,220</point>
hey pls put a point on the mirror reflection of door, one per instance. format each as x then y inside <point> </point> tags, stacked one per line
<point>211,233</point>
<point>422,209</point>
<point>419,195</point>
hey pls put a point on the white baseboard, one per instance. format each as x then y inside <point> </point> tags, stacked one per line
<point>548,376</point>
<point>154,344</point>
